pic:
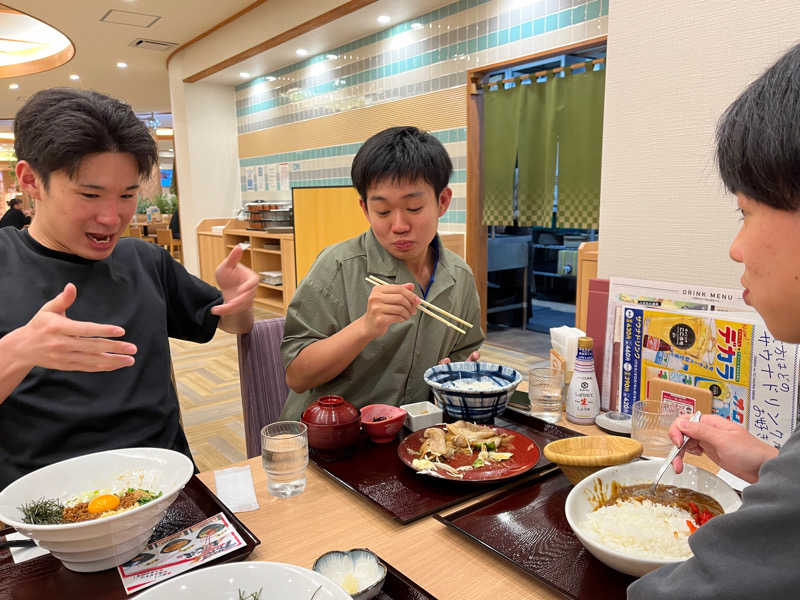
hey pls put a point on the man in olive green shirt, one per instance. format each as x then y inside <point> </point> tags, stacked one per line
<point>370,344</point>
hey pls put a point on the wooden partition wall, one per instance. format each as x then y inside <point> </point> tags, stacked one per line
<point>323,216</point>
<point>477,246</point>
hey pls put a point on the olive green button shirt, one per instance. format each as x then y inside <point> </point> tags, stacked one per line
<point>389,369</point>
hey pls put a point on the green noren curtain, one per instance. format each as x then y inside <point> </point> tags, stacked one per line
<point>537,151</point>
<point>561,119</point>
<point>580,134</point>
<point>501,115</point>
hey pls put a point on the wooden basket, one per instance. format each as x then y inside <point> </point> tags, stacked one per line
<point>581,456</point>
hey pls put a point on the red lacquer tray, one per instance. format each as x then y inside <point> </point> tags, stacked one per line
<point>376,473</point>
<point>527,526</point>
<point>525,456</point>
<point>46,577</point>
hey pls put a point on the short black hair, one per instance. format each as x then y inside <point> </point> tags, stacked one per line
<point>401,154</point>
<point>758,137</point>
<point>58,127</point>
<point>14,201</point>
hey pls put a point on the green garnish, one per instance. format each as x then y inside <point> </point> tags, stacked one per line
<point>479,443</point>
<point>146,499</point>
<point>42,512</point>
<point>478,463</point>
<point>252,596</point>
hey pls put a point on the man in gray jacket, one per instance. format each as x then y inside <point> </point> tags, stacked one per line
<point>751,553</point>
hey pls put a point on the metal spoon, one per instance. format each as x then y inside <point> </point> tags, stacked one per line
<point>671,456</point>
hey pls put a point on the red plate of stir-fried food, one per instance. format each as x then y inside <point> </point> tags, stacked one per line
<point>463,451</point>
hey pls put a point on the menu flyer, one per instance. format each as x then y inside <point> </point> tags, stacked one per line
<point>180,552</point>
<point>752,377</point>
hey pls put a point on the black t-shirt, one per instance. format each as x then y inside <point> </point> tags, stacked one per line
<point>53,415</point>
<point>14,217</point>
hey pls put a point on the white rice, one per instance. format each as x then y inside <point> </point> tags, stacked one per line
<point>641,529</point>
<point>473,385</point>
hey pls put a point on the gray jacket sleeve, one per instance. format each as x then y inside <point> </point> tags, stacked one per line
<point>752,553</point>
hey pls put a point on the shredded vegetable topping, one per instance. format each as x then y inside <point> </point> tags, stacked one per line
<point>460,438</point>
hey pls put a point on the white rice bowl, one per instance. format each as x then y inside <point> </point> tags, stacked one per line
<point>638,539</point>
<point>99,544</point>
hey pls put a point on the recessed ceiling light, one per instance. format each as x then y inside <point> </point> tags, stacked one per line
<point>417,26</point>
<point>244,75</point>
<point>13,86</point>
<point>122,65</point>
<point>74,77</point>
<point>271,78</point>
<point>302,52</point>
<point>331,56</point>
<point>164,131</point>
<point>384,19</point>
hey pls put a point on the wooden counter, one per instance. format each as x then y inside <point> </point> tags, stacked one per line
<point>327,516</point>
<point>267,252</point>
<point>210,249</point>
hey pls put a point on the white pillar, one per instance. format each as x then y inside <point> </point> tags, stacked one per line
<point>206,154</point>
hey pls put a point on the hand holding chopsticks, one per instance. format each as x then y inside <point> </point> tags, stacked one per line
<point>375,281</point>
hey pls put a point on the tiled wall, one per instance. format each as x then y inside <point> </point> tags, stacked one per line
<point>430,53</point>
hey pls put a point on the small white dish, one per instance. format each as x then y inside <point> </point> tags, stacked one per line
<point>422,415</point>
<point>358,571</point>
<point>614,422</point>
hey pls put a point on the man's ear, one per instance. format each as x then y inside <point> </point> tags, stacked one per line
<point>444,200</point>
<point>29,180</point>
<point>363,204</point>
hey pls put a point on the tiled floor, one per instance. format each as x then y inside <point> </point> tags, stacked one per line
<point>207,376</point>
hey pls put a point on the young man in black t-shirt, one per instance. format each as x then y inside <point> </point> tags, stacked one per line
<point>86,316</point>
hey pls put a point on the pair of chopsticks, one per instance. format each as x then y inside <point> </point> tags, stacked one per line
<point>375,281</point>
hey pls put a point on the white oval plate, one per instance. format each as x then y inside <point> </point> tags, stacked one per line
<point>223,582</point>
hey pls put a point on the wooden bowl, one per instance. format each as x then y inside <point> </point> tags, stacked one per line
<point>581,456</point>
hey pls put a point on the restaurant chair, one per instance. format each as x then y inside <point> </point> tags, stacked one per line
<point>262,379</point>
<point>170,244</point>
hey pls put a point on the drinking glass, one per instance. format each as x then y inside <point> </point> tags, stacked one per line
<point>650,425</point>
<point>545,390</point>
<point>284,456</point>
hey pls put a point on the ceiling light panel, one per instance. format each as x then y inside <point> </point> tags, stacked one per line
<point>125,17</point>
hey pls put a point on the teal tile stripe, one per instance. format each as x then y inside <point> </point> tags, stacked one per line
<point>435,15</point>
<point>459,176</point>
<point>528,29</point>
<point>446,136</point>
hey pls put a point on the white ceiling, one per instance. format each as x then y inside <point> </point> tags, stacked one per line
<point>144,84</point>
<point>356,25</point>
<point>99,45</point>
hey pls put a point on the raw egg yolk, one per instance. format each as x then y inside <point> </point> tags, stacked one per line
<point>103,503</point>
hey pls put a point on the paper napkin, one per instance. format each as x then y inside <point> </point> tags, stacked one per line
<point>235,488</point>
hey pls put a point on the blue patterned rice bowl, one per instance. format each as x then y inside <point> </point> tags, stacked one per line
<point>473,391</point>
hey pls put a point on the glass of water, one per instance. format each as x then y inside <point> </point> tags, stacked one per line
<point>545,390</point>
<point>284,456</point>
<point>650,425</point>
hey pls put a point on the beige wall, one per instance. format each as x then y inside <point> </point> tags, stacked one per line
<point>204,120</point>
<point>674,66</point>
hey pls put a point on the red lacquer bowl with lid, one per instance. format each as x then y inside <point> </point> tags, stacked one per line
<point>333,423</point>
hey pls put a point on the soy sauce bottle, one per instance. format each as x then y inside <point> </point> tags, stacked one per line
<point>583,395</point>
